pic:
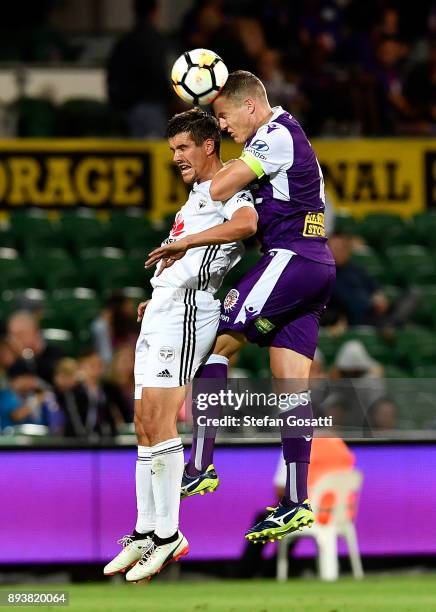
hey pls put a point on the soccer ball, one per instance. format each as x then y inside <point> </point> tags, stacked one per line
<point>198,76</point>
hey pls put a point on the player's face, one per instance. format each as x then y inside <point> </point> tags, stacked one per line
<point>189,157</point>
<point>235,119</point>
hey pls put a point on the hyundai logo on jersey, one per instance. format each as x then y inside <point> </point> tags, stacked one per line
<point>259,145</point>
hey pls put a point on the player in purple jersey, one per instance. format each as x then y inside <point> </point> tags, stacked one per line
<point>279,302</point>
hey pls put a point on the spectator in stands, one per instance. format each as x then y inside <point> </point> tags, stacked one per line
<point>115,327</point>
<point>11,409</point>
<point>121,376</point>
<point>281,92</point>
<point>202,20</point>
<point>7,358</point>
<point>420,90</point>
<point>355,295</point>
<point>393,107</point>
<point>137,79</point>
<point>382,416</point>
<point>26,340</point>
<point>357,383</point>
<point>101,406</point>
<point>66,380</point>
<point>30,400</point>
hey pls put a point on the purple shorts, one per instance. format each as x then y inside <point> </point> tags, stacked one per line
<point>279,302</point>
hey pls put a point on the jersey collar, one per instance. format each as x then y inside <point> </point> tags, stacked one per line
<point>201,187</point>
<point>277,111</point>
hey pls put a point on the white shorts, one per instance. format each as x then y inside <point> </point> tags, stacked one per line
<point>177,333</point>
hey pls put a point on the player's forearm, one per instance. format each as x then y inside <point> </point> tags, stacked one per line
<point>223,185</point>
<point>233,230</point>
<point>230,179</point>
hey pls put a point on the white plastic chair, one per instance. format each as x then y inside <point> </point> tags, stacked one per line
<point>343,485</point>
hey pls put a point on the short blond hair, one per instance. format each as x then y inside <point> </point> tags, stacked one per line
<point>241,84</point>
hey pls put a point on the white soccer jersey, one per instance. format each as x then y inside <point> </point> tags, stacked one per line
<point>203,267</point>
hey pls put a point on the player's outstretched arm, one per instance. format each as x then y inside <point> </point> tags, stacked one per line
<point>242,225</point>
<point>230,179</point>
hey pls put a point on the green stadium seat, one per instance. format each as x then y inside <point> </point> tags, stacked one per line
<point>391,292</point>
<point>143,236</point>
<point>249,259</point>
<point>55,319</point>
<point>346,224</point>
<point>13,272</point>
<point>415,346</point>
<point>61,338</point>
<point>7,237</point>
<point>12,300</point>
<point>132,230</point>
<point>393,371</point>
<point>83,229</point>
<point>106,268</point>
<point>254,359</point>
<point>425,313</point>
<point>140,276</point>
<point>87,117</point>
<point>411,265</point>
<point>374,344</point>
<point>328,345</point>
<point>425,371</point>
<point>423,230</point>
<point>63,278</point>
<point>75,304</point>
<point>37,117</point>
<point>34,227</point>
<point>380,230</point>
<point>369,260</point>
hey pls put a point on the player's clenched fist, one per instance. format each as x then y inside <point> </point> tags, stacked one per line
<point>141,309</point>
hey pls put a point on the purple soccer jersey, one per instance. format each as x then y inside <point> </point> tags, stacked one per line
<point>289,192</point>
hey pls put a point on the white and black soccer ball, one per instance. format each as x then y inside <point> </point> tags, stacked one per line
<point>198,76</point>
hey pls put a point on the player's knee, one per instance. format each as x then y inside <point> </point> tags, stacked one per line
<point>228,344</point>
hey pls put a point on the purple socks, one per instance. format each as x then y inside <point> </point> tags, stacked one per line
<point>296,443</point>
<point>210,378</point>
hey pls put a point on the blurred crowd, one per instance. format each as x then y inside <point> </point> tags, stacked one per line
<point>91,394</point>
<point>343,67</point>
<point>88,396</point>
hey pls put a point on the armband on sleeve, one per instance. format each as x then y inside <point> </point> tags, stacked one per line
<point>253,163</point>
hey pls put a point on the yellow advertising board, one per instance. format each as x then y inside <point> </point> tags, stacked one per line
<point>361,176</point>
<point>364,176</point>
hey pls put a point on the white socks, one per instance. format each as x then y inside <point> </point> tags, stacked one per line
<point>146,520</point>
<point>167,466</point>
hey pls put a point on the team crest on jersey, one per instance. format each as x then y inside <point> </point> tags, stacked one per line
<point>166,354</point>
<point>201,204</point>
<point>231,299</point>
<point>178,226</point>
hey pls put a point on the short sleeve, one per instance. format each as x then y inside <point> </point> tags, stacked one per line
<point>271,150</point>
<point>239,200</point>
<point>8,402</point>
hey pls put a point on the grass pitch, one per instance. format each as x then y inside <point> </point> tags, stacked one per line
<point>373,594</point>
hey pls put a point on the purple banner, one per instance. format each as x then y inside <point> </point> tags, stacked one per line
<point>72,506</point>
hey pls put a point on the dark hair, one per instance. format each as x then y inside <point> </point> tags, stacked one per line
<point>142,9</point>
<point>199,124</point>
<point>242,83</point>
<point>87,352</point>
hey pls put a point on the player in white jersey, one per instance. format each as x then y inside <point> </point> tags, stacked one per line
<point>178,330</point>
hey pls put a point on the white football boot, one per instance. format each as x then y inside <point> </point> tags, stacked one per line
<point>156,558</point>
<point>132,551</point>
